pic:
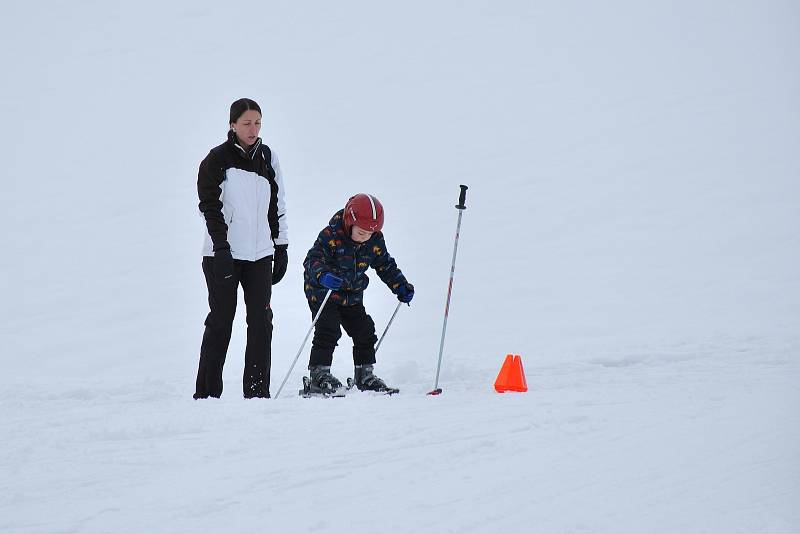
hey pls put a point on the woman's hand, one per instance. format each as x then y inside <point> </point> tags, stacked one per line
<point>280,262</point>
<point>223,265</point>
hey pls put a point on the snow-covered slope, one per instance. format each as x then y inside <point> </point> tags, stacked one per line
<point>632,231</point>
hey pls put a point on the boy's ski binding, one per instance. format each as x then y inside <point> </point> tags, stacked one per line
<point>386,390</point>
<point>322,383</point>
<point>310,391</point>
<point>365,380</point>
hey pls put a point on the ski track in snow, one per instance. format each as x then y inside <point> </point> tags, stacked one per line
<point>590,448</point>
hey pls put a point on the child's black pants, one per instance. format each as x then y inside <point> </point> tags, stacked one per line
<point>327,332</point>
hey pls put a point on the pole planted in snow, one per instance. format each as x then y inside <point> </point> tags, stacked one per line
<point>308,333</point>
<point>461,206</point>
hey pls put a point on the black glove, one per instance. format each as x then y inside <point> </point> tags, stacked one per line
<point>405,293</point>
<point>280,261</point>
<point>223,265</point>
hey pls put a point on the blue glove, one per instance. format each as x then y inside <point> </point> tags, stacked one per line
<point>405,293</point>
<point>331,281</point>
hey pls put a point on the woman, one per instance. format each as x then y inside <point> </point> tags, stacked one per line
<point>242,199</point>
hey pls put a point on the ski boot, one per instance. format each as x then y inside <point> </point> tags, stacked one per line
<point>365,380</point>
<point>321,383</point>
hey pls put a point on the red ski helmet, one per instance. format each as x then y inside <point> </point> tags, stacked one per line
<point>364,211</point>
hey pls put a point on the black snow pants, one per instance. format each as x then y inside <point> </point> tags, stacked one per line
<point>327,333</point>
<point>256,280</point>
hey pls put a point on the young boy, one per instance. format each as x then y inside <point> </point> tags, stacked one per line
<point>338,261</point>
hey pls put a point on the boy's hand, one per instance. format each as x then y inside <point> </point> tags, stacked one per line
<point>331,281</point>
<point>405,293</point>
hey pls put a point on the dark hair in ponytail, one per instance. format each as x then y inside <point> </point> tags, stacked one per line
<point>240,106</point>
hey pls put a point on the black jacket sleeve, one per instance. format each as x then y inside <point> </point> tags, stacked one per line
<point>386,267</point>
<point>209,189</point>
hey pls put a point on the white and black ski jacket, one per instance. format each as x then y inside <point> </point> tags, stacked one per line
<point>242,200</point>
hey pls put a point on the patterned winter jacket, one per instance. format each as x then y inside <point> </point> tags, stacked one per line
<point>335,252</point>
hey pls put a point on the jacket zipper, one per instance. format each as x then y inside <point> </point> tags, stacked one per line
<point>258,217</point>
<point>355,262</point>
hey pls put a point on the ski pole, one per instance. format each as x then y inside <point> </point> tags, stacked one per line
<point>461,206</point>
<point>310,328</point>
<point>387,326</point>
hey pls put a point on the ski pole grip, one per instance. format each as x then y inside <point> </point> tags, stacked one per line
<point>462,198</point>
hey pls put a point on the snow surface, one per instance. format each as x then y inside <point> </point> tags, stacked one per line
<point>632,231</point>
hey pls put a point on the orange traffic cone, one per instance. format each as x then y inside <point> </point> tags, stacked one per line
<point>511,376</point>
